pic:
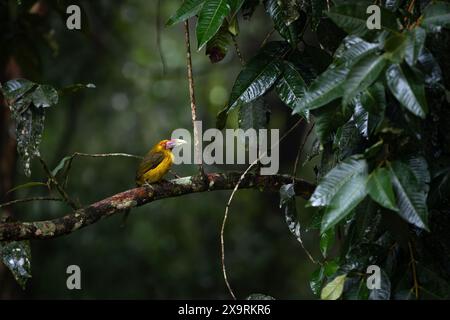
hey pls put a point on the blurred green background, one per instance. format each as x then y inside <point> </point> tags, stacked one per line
<point>169,248</point>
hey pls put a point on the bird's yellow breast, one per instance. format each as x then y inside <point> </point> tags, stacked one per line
<point>156,174</point>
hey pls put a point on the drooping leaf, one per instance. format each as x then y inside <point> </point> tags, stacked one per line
<point>217,47</point>
<point>384,292</point>
<point>340,191</point>
<point>27,102</point>
<point>254,114</point>
<point>258,75</point>
<point>316,280</point>
<point>333,290</point>
<point>353,49</point>
<point>352,18</point>
<point>287,203</point>
<point>411,200</point>
<point>27,185</point>
<point>61,165</point>
<point>419,167</point>
<point>210,19</point>
<point>326,241</point>
<point>379,187</point>
<point>285,25</point>
<point>188,9</point>
<point>75,88</point>
<point>362,75</point>
<point>326,88</point>
<point>436,16</point>
<point>290,86</point>
<point>328,119</point>
<point>431,70</point>
<point>16,256</point>
<point>416,41</point>
<point>405,87</point>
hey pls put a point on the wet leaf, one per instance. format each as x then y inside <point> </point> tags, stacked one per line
<point>405,87</point>
<point>379,187</point>
<point>210,19</point>
<point>436,16</point>
<point>254,114</point>
<point>284,23</point>
<point>287,203</point>
<point>17,258</point>
<point>290,86</point>
<point>411,199</point>
<point>188,9</point>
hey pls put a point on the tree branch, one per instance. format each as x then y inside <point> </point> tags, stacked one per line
<point>140,196</point>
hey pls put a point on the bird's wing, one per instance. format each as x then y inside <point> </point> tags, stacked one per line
<point>150,161</point>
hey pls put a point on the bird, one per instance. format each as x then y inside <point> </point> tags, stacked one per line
<point>157,162</point>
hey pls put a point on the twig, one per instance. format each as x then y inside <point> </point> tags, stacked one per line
<point>137,197</point>
<point>266,38</point>
<point>192,92</point>
<point>238,50</point>
<point>294,175</point>
<point>60,189</point>
<point>230,199</point>
<point>413,267</point>
<point>9,203</point>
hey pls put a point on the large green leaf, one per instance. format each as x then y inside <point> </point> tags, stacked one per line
<point>353,49</point>
<point>352,18</point>
<point>406,88</point>
<point>340,191</point>
<point>329,118</point>
<point>290,86</point>
<point>254,114</point>
<point>411,200</point>
<point>258,75</point>
<point>210,20</point>
<point>419,167</point>
<point>16,256</point>
<point>217,47</point>
<point>379,187</point>
<point>436,16</point>
<point>285,26</point>
<point>326,88</point>
<point>416,41</point>
<point>287,203</point>
<point>188,9</point>
<point>333,290</point>
<point>362,75</point>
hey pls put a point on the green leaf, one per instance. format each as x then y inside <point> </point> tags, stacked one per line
<point>188,9</point>
<point>329,118</point>
<point>254,115</point>
<point>210,20</point>
<point>287,203</point>
<point>395,47</point>
<point>217,47</point>
<point>44,96</point>
<point>27,185</point>
<point>324,89</point>
<point>16,256</point>
<point>379,187</point>
<point>291,86</point>
<point>285,25</point>
<point>405,87</point>
<point>436,16</point>
<point>334,180</point>
<point>61,165</point>
<point>258,75</point>
<point>411,200</point>
<point>316,279</point>
<point>340,191</point>
<point>333,290</point>
<point>15,89</point>
<point>235,6</point>
<point>362,75</point>
<point>416,41</point>
<point>352,18</point>
<point>326,241</point>
<point>419,167</point>
<point>353,49</point>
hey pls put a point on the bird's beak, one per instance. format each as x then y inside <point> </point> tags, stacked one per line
<point>175,143</point>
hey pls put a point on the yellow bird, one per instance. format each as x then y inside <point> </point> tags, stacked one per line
<point>157,162</point>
